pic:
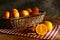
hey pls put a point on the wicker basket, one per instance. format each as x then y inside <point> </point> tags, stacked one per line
<point>24,22</point>
<point>27,21</point>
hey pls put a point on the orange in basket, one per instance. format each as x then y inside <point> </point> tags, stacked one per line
<point>41,29</point>
<point>14,13</point>
<point>29,10</point>
<point>6,15</point>
<point>24,13</point>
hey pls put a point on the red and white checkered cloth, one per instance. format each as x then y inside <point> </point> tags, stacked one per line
<point>50,35</point>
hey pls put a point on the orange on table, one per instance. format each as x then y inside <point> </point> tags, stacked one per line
<point>49,25</point>
<point>41,29</point>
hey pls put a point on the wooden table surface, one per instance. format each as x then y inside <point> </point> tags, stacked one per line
<point>14,37</point>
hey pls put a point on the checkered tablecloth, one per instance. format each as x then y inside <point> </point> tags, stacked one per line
<point>49,35</point>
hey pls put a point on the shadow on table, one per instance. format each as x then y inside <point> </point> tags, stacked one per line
<point>5,24</point>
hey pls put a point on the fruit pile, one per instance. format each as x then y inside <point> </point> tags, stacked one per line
<point>14,13</point>
<point>42,28</point>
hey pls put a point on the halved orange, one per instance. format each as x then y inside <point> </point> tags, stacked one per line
<point>41,29</point>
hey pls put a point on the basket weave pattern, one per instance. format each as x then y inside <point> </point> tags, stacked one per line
<point>29,21</point>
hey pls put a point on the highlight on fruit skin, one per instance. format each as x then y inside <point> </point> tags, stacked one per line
<point>41,29</point>
<point>14,13</point>
<point>24,13</point>
<point>6,15</point>
<point>49,25</point>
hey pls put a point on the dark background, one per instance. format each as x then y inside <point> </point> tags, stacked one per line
<point>51,6</point>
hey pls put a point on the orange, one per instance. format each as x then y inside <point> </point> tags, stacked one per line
<point>6,15</point>
<point>41,29</point>
<point>35,9</point>
<point>49,25</point>
<point>34,13</point>
<point>24,13</point>
<point>29,10</point>
<point>14,13</point>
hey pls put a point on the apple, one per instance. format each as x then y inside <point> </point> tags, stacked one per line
<point>6,15</point>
